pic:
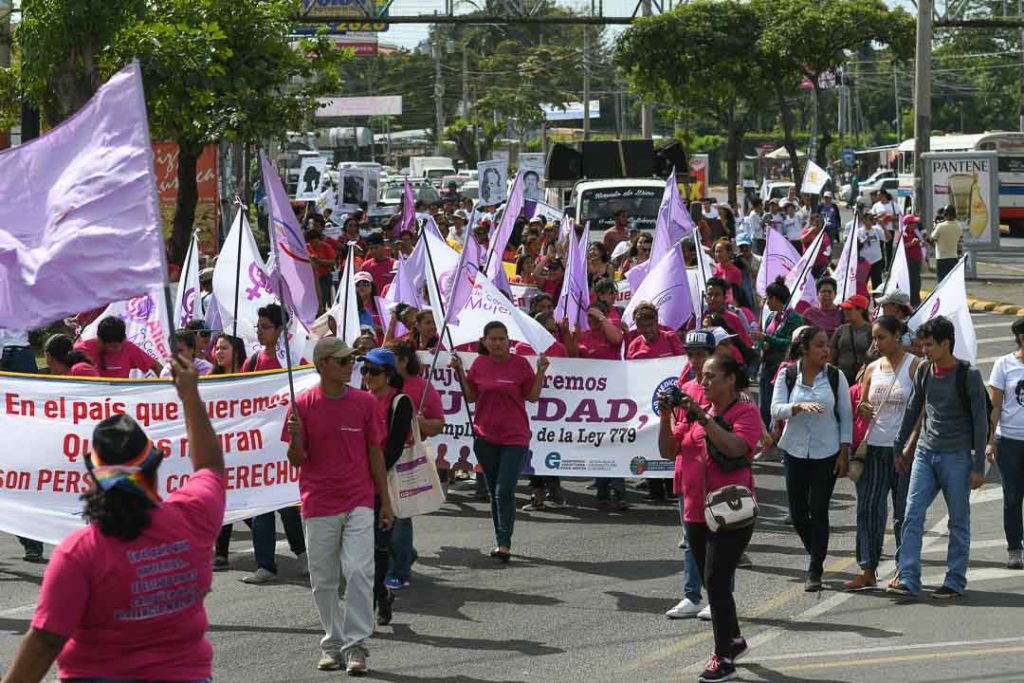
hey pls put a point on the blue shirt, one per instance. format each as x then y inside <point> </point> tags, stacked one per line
<point>815,436</point>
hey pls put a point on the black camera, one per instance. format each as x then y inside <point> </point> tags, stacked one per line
<point>672,396</point>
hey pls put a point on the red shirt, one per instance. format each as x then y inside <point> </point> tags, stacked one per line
<point>103,592</point>
<point>556,350</point>
<point>687,467</point>
<point>415,388</point>
<point>594,344</point>
<point>745,419</point>
<point>664,345</point>
<point>264,361</point>
<point>129,357</point>
<point>501,389</point>
<point>324,252</point>
<point>83,370</point>
<point>337,434</point>
<point>380,270</point>
<point>730,274</point>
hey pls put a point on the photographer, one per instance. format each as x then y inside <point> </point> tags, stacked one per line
<point>717,446</point>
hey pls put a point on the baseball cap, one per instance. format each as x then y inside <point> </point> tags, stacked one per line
<point>911,218</point>
<point>621,249</point>
<point>721,335</point>
<point>700,339</point>
<point>856,301</point>
<point>362,276</point>
<point>379,356</point>
<point>461,213</point>
<point>536,219</point>
<point>895,298</point>
<point>206,275</point>
<point>331,347</point>
<point>827,194</point>
<point>744,239</point>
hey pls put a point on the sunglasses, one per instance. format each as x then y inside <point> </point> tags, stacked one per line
<point>373,371</point>
<point>363,284</point>
<point>347,360</point>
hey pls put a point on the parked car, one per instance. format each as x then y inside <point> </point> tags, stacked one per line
<point>392,194</point>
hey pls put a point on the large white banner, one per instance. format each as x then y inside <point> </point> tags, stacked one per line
<point>49,424</point>
<point>594,418</point>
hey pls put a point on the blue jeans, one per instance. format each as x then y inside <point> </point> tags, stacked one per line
<point>501,466</point>
<point>264,536</point>
<point>1010,458</point>
<point>691,573</point>
<point>879,481</point>
<point>933,472</point>
<point>403,554</point>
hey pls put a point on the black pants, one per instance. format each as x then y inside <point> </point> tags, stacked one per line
<point>223,546</point>
<point>877,271</point>
<point>717,555</point>
<point>809,485</point>
<point>943,266</point>
<point>915,282</point>
<point>381,554</point>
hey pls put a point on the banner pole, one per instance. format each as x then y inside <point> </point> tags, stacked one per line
<point>184,279</point>
<point>238,269</point>
<point>350,263</point>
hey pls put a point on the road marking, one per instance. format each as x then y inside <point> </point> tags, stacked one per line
<point>887,648</point>
<point>993,340</point>
<point>992,326</point>
<point>18,611</point>
<point>905,658</point>
<point>975,545</point>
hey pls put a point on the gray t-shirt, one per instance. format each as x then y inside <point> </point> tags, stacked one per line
<point>852,346</point>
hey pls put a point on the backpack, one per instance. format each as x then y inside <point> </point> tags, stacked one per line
<point>962,366</point>
<point>833,382</point>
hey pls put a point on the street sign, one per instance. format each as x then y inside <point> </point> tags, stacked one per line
<point>848,156</point>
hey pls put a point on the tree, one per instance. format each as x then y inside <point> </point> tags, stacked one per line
<point>701,56</point>
<point>212,69</point>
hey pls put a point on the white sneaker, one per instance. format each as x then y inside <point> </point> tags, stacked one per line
<point>303,562</point>
<point>260,576</point>
<point>705,614</point>
<point>684,610</point>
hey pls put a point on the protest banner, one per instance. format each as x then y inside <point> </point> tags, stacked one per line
<point>50,422</point>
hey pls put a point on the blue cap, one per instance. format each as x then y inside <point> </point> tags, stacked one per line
<point>744,239</point>
<point>383,357</point>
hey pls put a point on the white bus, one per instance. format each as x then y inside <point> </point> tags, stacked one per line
<point>1010,149</point>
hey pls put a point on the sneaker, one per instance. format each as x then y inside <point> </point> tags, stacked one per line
<point>685,609</point>
<point>897,587</point>
<point>220,563</point>
<point>303,563</point>
<point>945,593</point>
<point>705,614</point>
<point>682,541</point>
<point>717,669</point>
<point>260,576</point>
<point>745,562</point>
<point>813,583</point>
<point>355,660</point>
<point>384,608</point>
<point>329,662</point>
<point>395,583</point>
<point>619,504</point>
<point>1015,560</point>
<point>739,648</point>
<point>533,506</point>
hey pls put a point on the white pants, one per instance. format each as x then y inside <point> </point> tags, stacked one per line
<point>336,544</point>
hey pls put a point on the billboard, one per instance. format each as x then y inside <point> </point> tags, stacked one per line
<point>570,111</point>
<point>969,182</point>
<point>344,16</point>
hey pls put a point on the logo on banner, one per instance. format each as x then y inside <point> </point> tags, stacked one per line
<point>553,460</point>
<point>638,465</point>
<point>188,304</point>
<point>935,307</point>
<point>140,309</point>
<point>664,384</point>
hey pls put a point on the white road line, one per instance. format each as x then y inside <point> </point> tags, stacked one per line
<point>975,545</point>
<point>995,340</point>
<point>888,648</point>
<point>18,611</point>
<point>992,326</point>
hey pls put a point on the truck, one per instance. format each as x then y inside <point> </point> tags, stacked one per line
<point>597,201</point>
<point>431,168</point>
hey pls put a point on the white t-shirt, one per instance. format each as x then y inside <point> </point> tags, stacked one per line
<point>870,240</point>
<point>753,226</point>
<point>1008,376</point>
<point>792,226</point>
<point>881,209</point>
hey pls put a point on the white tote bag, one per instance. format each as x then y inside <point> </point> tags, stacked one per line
<point>413,484</point>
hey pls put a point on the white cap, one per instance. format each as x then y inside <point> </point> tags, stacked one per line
<point>721,335</point>
<point>621,249</point>
<point>827,194</point>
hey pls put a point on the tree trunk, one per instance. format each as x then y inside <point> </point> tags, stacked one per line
<point>188,197</point>
<point>819,114</point>
<point>787,131</point>
<point>732,156</point>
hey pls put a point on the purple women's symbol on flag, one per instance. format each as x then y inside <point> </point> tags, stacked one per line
<point>140,308</point>
<point>259,281</point>
<point>189,303</point>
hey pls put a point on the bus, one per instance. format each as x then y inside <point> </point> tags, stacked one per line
<point>1010,149</point>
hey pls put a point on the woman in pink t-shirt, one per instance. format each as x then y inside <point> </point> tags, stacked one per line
<point>603,341</point>
<point>500,384</point>
<point>722,440</point>
<point>63,359</point>
<point>725,270</point>
<point>100,613</point>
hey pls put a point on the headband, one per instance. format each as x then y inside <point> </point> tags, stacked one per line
<point>130,475</point>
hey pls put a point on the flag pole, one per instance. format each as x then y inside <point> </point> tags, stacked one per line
<point>888,273</point>
<point>350,263</point>
<point>816,247</point>
<point>184,277</point>
<point>938,285</point>
<point>280,287</point>
<point>238,269</point>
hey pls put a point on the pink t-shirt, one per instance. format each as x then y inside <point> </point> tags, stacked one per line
<point>415,387</point>
<point>594,344</point>
<point>264,361</point>
<point>665,344</point>
<point>83,370</point>
<point>501,389</point>
<point>129,357</point>
<point>556,350</point>
<point>337,434</point>
<point>683,464</point>
<point>730,274</point>
<point>134,609</point>
<point>745,419</point>
<point>380,270</point>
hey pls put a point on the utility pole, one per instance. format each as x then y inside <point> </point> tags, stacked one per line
<point>465,83</point>
<point>896,94</point>
<point>438,95</point>
<point>647,110</point>
<point>1020,46</point>
<point>922,97</point>
<point>586,82</point>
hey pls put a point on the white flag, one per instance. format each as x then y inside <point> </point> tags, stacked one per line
<point>487,304</point>
<point>949,299</point>
<point>764,190</point>
<point>240,279</point>
<point>186,305</point>
<point>346,306</point>
<point>846,270</point>
<point>146,324</point>
<point>899,272</point>
<point>802,286</point>
<point>814,179</point>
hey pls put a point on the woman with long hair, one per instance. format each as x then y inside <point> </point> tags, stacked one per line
<point>717,446</point>
<point>63,359</point>
<point>526,265</point>
<point>500,384</point>
<point>775,341</point>
<point>599,262</point>
<point>850,344</point>
<point>424,335</point>
<point>1006,444</point>
<point>91,616</point>
<point>813,397</point>
<point>885,390</point>
<point>228,355</point>
<point>639,253</point>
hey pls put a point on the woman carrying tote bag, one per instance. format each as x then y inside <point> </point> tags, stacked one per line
<point>717,448</point>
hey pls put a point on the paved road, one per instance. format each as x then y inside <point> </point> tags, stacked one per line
<point>583,600</point>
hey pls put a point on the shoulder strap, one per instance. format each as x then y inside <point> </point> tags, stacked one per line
<point>833,382</point>
<point>250,363</point>
<point>791,379</point>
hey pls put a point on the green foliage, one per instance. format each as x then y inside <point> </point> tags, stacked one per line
<point>10,97</point>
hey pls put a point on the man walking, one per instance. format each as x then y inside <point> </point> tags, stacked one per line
<point>334,434</point>
<point>952,395</point>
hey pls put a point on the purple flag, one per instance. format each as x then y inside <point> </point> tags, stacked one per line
<point>457,285</point>
<point>667,286</point>
<point>80,224</point>
<point>501,236</point>
<point>291,260</point>
<point>408,220</point>
<point>574,298</point>
<point>673,224</point>
<point>402,290</point>
<point>779,259</point>
<point>801,284</point>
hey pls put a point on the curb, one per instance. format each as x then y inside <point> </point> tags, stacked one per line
<point>980,305</point>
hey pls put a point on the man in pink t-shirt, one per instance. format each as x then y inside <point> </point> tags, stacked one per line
<point>334,436</point>
<point>112,353</point>
<point>122,598</point>
<point>379,264</point>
